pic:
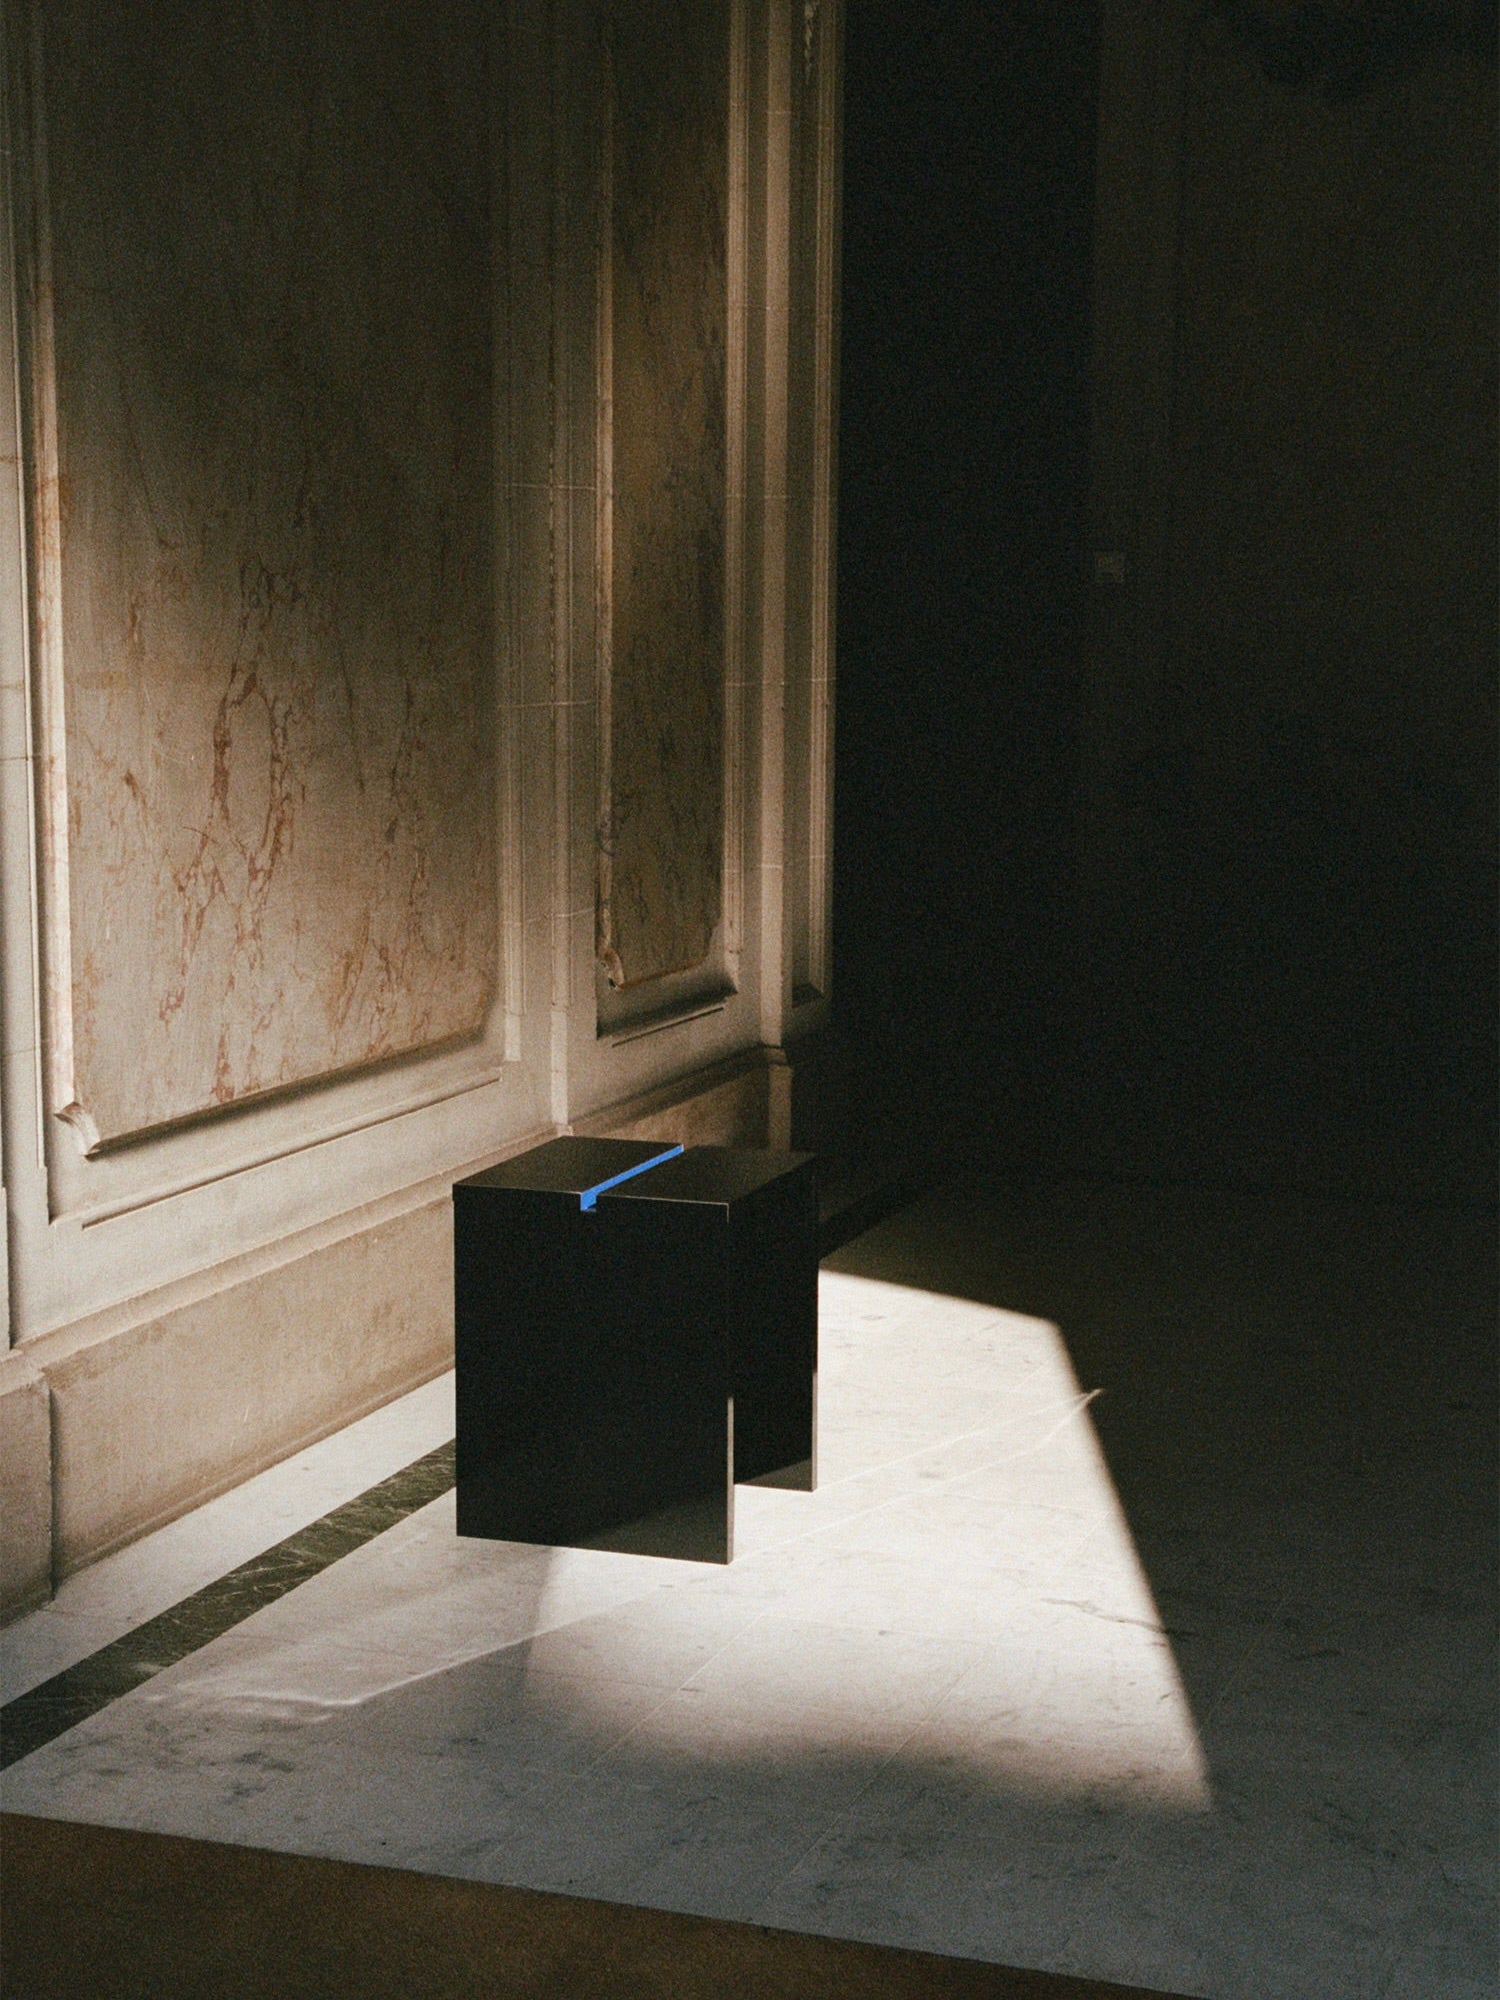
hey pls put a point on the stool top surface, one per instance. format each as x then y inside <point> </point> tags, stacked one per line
<point>717,1176</point>
<point>572,1166</point>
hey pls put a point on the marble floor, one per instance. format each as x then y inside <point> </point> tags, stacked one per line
<point>1142,1626</point>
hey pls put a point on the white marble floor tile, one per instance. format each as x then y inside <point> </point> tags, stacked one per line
<point>1294,1918</point>
<point>674,1840</point>
<point>783,1665</point>
<point>1450,1953</point>
<point>1191,1686</point>
<point>659,1641</point>
<point>934,1862</point>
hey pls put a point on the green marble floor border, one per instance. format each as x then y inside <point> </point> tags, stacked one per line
<point>79,1691</point>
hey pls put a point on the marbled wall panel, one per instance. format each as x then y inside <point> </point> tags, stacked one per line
<point>271,278</point>
<point>662,815</point>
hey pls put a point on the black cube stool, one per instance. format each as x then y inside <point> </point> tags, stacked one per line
<point>636,1328</point>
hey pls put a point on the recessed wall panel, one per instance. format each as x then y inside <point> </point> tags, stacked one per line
<point>662,809</point>
<point>262,241</point>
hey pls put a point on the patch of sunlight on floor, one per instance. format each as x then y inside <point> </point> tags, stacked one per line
<point>963,1502</point>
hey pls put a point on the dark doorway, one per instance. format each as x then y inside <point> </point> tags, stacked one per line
<point>1284,977</point>
<point>969,165</point>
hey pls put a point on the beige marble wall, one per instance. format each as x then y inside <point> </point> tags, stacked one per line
<point>242,1375</point>
<point>745,1100</point>
<point>320,804</point>
<point>269,615</point>
<point>662,811</point>
<point>25,1490</point>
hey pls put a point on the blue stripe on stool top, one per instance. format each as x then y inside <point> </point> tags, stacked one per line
<point>589,1196</point>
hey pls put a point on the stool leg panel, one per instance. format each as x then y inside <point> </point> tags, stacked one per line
<point>666,1302</point>
<point>774,1321</point>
